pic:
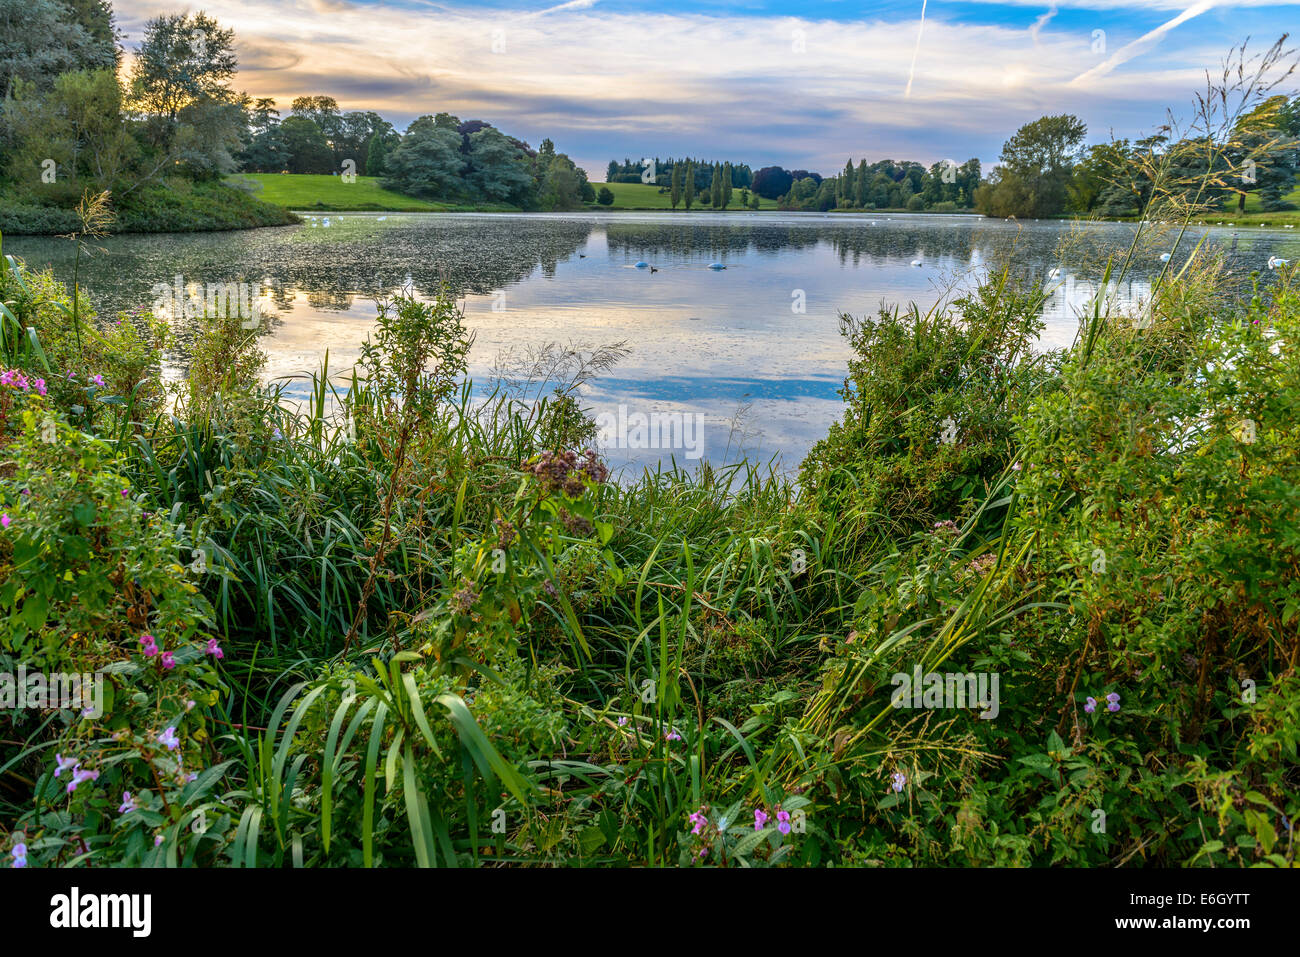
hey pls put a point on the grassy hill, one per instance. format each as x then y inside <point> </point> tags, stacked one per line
<point>644,196</point>
<point>332,194</point>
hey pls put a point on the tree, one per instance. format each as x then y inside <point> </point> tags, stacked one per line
<point>309,151</point>
<point>41,39</point>
<point>427,162</point>
<point>498,168</point>
<point>208,137</point>
<point>377,149</point>
<point>181,60</point>
<point>605,197</point>
<point>771,182</point>
<point>79,125</point>
<point>675,195</point>
<point>1036,167</point>
<point>689,195</point>
<point>562,186</point>
<point>860,185</point>
<point>266,152</point>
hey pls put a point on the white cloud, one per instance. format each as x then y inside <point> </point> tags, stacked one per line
<point>601,83</point>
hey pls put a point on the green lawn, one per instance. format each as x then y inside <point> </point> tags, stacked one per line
<point>331,194</point>
<point>1253,216</point>
<point>644,196</point>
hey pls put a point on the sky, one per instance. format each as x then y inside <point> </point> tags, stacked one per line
<point>801,85</point>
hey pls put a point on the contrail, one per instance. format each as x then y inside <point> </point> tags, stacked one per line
<point>1143,43</point>
<point>912,72</point>
<point>1041,22</point>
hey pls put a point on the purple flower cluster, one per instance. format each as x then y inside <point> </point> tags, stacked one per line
<point>463,599</point>
<point>79,774</point>
<point>17,379</point>
<point>698,822</point>
<point>782,820</point>
<point>565,471</point>
<point>1112,703</point>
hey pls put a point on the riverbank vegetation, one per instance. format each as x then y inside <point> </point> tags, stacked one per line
<point>399,626</point>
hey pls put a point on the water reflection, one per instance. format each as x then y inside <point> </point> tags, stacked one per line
<point>754,348</point>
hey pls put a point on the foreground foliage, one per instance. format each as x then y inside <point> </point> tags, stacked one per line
<point>398,627</point>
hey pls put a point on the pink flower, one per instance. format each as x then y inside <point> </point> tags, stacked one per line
<point>128,803</point>
<point>698,821</point>
<point>148,646</point>
<point>214,649</point>
<point>40,387</point>
<point>5,520</point>
<point>169,739</point>
<point>80,775</point>
<point>168,660</point>
<point>783,821</point>
<point>760,819</point>
<point>20,855</point>
<point>98,380</point>
<point>672,736</point>
<point>1090,705</point>
<point>65,764</point>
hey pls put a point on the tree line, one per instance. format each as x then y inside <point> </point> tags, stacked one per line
<point>69,123</point>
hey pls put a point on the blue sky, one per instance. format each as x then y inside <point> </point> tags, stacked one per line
<point>804,85</point>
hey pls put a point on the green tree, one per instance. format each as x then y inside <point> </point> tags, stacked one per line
<point>1036,167</point>
<point>605,197</point>
<point>726,186</point>
<point>427,162</point>
<point>715,187</point>
<point>182,59</point>
<point>41,39</point>
<point>377,152</point>
<point>309,151</point>
<point>688,196</point>
<point>675,195</point>
<point>498,168</point>
<point>79,125</point>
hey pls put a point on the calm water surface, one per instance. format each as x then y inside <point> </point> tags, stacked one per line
<point>754,349</point>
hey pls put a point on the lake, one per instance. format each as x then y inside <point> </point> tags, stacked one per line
<point>745,359</point>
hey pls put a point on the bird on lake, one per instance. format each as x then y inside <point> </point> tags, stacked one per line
<point>917,262</point>
<point>716,266</point>
<point>653,269</point>
<point>1274,262</point>
<point>582,255</point>
<point>643,265</point>
<point>1165,257</point>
